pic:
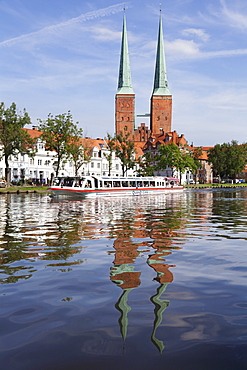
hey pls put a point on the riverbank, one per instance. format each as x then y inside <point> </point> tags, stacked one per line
<point>24,189</point>
<point>216,186</point>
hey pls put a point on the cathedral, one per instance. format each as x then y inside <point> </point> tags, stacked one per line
<point>161,98</point>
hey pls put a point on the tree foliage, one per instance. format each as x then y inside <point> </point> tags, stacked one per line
<point>111,144</point>
<point>173,157</point>
<point>146,164</point>
<point>58,132</point>
<point>228,159</point>
<point>79,152</point>
<point>125,151</point>
<point>13,138</point>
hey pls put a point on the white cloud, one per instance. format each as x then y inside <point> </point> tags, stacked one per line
<point>183,48</point>
<point>180,49</point>
<point>197,32</point>
<point>105,34</point>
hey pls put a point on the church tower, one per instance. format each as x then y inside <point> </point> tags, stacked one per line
<point>161,99</point>
<point>125,97</point>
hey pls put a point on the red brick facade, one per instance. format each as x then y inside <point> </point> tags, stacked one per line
<point>161,114</point>
<point>125,114</point>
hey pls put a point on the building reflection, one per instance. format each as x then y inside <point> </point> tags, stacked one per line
<point>123,274</point>
<point>159,241</point>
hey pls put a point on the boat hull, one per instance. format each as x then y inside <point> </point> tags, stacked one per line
<point>86,193</point>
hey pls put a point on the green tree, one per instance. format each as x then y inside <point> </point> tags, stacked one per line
<point>185,162</point>
<point>228,159</point>
<point>111,146</point>
<point>169,156</point>
<point>217,157</point>
<point>13,138</point>
<point>196,153</point>
<point>79,152</point>
<point>236,159</point>
<point>146,164</point>
<point>173,157</point>
<point>125,151</point>
<point>58,133</point>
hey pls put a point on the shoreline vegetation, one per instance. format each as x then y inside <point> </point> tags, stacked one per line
<point>45,189</point>
<point>24,189</point>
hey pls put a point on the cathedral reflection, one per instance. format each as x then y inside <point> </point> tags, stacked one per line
<point>124,275</point>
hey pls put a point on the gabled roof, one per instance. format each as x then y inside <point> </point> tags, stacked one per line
<point>34,133</point>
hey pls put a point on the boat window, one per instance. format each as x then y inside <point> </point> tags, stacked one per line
<point>88,184</point>
<point>152,183</point>
<point>107,184</point>
<point>116,184</point>
<point>68,182</point>
<point>132,184</point>
<point>57,181</point>
<point>139,184</point>
<point>146,183</point>
<point>125,184</point>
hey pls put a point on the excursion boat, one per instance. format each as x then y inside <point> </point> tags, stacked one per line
<point>97,186</point>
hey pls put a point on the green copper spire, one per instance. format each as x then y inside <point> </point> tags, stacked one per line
<point>160,79</point>
<point>124,80</point>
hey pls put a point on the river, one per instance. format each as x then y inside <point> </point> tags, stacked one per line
<point>146,282</point>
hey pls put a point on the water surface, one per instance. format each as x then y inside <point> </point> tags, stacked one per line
<point>139,283</point>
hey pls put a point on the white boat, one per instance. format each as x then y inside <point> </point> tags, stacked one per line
<point>97,186</point>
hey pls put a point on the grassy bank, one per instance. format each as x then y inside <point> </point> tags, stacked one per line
<point>24,189</point>
<point>215,186</point>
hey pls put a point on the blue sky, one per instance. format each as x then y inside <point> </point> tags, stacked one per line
<point>62,55</point>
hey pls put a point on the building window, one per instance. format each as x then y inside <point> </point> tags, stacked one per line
<point>95,154</point>
<point>98,165</point>
<point>117,166</point>
<point>31,160</point>
<point>92,164</point>
<point>39,162</point>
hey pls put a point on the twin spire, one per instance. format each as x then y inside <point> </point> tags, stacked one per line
<point>124,80</point>
<point>160,78</point>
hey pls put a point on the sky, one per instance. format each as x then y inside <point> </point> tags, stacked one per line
<point>58,56</point>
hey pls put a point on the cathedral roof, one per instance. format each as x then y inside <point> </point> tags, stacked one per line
<point>124,80</point>
<point>160,78</point>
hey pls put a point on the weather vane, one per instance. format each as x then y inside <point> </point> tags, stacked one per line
<point>160,6</point>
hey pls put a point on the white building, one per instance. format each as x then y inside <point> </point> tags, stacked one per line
<point>41,168</point>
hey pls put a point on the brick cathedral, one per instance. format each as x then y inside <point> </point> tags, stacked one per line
<point>161,99</point>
